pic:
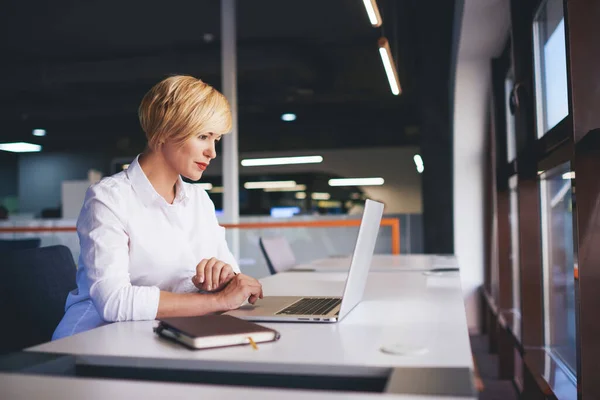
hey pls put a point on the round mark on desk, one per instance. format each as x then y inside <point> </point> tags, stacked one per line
<point>400,349</point>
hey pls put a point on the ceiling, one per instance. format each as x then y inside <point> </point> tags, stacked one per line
<point>80,69</point>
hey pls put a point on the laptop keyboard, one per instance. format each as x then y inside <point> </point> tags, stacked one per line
<point>311,306</point>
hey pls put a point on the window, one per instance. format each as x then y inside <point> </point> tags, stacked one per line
<point>550,66</point>
<point>558,262</point>
<point>511,141</point>
<point>514,243</point>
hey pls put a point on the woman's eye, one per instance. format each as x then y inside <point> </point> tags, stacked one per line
<point>203,137</point>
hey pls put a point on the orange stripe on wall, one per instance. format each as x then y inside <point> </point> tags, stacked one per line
<point>394,223</point>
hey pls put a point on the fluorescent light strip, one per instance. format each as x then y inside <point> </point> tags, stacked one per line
<point>320,196</point>
<point>390,67</point>
<point>356,182</point>
<point>217,189</point>
<point>373,12</point>
<point>269,184</point>
<point>254,162</point>
<point>301,195</point>
<point>205,186</point>
<point>569,175</point>
<point>20,147</point>
<point>297,188</point>
<point>39,132</point>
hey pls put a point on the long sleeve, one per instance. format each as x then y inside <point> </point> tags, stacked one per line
<point>105,257</point>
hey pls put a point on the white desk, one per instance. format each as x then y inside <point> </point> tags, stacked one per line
<point>408,308</point>
<point>384,263</point>
<point>27,387</point>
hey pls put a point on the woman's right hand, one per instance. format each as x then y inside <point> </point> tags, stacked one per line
<point>238,290</point>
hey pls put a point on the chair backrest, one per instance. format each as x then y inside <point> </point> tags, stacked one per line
<point>34,285</point>
<point>19,244</point>
<point>278,253</point>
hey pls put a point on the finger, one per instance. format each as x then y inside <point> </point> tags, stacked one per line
<point>216,273</point>
<point>252,299</point>
<point>200,270</point>
<point>195,282</point>
<point>226,274</point>
<point>208,273</point>
<point>256,290</point>
<point>260,291</point>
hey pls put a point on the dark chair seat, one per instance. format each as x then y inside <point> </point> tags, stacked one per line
<point>19,244</point>
<point>34,285</point>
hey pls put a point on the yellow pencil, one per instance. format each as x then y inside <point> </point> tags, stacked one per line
<point>252,343</point>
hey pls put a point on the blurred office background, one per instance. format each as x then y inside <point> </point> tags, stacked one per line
<point>310,82</point>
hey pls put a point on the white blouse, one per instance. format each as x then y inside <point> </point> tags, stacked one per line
<point>134,244</point>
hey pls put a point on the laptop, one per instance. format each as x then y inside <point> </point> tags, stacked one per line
<point>324,309</point>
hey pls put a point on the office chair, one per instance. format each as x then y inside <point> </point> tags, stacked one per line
<point>278,253</point>
<point>19,244</point>
<point>34,285</point>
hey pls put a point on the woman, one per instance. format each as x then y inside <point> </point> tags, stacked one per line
<point>149,241</point>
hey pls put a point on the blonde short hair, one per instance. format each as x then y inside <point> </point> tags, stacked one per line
<point>180,107</point>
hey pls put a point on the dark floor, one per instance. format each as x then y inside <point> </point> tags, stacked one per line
<point>487,365</point>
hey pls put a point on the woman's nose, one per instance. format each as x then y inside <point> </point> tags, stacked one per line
<point>211,152</point>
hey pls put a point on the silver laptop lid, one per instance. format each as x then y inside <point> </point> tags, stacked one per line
<point>362,257</point>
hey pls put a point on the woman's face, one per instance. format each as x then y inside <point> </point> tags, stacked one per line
<point>193,157</point>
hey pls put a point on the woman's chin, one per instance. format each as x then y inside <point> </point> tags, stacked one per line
<point>193,176</point>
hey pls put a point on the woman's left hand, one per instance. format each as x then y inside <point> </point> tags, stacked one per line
<point>212,275</point>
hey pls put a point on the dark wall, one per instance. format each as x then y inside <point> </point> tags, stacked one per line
<point>8,174</point>
<point>40,176</point>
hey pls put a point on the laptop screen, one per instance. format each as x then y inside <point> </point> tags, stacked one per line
<point>362,256</point>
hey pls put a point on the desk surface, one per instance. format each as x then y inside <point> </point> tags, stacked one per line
<point>26,387</point>
<point>410,309</point>
<point>384,262</point>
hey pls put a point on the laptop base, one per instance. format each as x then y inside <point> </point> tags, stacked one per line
<point>266,310</point>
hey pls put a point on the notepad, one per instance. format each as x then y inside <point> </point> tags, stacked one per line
<point>210,331</point>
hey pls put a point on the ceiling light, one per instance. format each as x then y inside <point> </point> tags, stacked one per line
<point>373,12</point>
<point>320,196</point>
<point>125,166</point>
<point>288,117</point>
<point>39,132</point>
<point>419,163</point>
<point>254,162</point>
<point>205,186</point>
<point>20,147</point>
<point>301,195</point>
<point>297,188</point>
<point>217,189</point>
<point>269,184</point>
<point>356,182</point>
<point>390,67</point>
<point>569,175</point>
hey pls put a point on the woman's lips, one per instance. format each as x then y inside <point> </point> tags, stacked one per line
<point>202,166</point>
